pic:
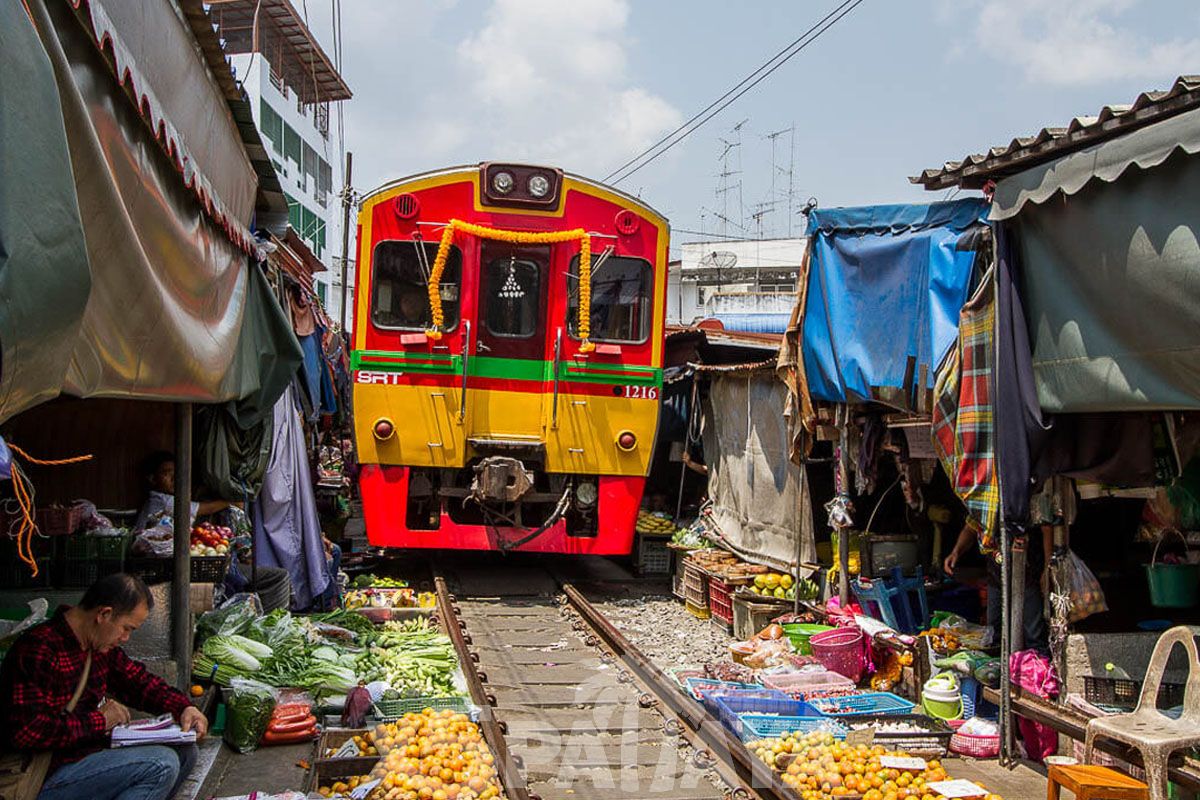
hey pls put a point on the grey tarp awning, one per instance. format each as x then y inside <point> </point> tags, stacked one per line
<point>176,309</point>
<point>42,255</point>
<point>760,497</point>
<point>1109,240</point>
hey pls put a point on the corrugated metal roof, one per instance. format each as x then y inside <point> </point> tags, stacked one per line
<point>1022,153</point>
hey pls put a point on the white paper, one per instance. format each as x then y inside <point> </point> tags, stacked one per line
<point>863,736</point>
<point>349,749</point>
<point>363,789</point>
<point>957,788</point>
<point>902,762</point>
<point>158,730</point>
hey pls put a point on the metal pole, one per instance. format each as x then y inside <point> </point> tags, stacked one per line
<point>181,605</point>
<point>346,236</point>
<point>843,533</point>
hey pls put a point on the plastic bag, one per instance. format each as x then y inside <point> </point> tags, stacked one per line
<point>1086,596</point>
<point>156,542</point>
<point>249,708</point>
<point>234,616</point>
<point>10,630</point>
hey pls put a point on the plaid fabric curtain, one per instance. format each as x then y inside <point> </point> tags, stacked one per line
<point>964,430</point>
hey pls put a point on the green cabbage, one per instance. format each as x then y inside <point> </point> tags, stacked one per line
<point>224,650</point>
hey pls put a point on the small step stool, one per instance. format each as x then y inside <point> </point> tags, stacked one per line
<point>896,587</point>
<point>1090,782</point>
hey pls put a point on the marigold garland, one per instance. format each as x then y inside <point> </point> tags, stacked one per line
<point>514,237</point>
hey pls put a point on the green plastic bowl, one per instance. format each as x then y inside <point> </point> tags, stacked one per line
<point>799,633</point>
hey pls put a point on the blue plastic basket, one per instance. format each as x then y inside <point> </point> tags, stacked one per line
<point>699,687</point>
<point>761,701</point>
<point>969,689</point>
<point>771,726</point>
<point>858,704</point>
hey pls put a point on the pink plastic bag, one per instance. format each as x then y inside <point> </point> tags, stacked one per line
<point>1034,673</point>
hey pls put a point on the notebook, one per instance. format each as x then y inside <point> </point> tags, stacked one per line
<point>158,730</point>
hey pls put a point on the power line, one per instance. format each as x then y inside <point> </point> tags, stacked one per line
<point>676,136</point>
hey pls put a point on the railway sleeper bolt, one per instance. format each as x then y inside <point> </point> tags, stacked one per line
<point>740,793</point>
<point>467,638</point>
<point>672,727</point>
<point>491,699</point>
<point>462,624</point>
<point>591,641</point>
<point>517,761</point>
<point>503,727</point>
<point>474,657</point>
<point>578,625</point>
<point>482,676</point>
<point>703,759</point>
<point>457,611</point>
<point>607,657</point>
<point>647,700</point>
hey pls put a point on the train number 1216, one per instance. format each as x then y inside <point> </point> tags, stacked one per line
<point>642,392</point>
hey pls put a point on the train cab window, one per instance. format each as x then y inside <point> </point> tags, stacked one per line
<point>399,285</point>
<point>514,297</point>
<point>622,299</point>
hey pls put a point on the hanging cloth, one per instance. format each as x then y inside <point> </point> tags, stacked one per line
<point>287,531</point>
<point>303,320</point>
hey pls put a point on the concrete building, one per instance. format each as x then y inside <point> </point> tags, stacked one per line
<point>748,284</point>
<point>292,86</point>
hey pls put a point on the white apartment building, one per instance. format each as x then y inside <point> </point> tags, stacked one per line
<point>292,85</point>
<point>746,280</point>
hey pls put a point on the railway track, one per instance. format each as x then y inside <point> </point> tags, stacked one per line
<point>575,711</point>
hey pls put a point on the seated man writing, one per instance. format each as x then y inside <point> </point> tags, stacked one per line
<point>77,656</point>
<point>272,584</point>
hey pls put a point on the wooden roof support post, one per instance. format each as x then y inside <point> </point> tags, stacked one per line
<point>181,607</point>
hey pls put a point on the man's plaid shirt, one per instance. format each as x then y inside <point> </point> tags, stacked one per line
<point>39,676</point>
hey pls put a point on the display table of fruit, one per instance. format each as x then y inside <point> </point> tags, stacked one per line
<point>210,540</point>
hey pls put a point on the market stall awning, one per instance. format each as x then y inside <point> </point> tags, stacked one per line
<point>174,307</point>
<point>1110,270</point>
<point>884,289</point>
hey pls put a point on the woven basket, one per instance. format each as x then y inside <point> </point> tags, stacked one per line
<point>841,651</point>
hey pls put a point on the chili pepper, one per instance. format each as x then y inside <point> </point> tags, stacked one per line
<point>273,737</point>
<point>291,727</point>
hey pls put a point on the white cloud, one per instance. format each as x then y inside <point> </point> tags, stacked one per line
<point>1079,42</point>
<point>549,81</point>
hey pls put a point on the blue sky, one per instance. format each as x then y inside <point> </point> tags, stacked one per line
<point>586,84</point>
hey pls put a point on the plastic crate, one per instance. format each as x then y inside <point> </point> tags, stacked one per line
<point>652,556</point>
<point>695,587</point>
<point>151,570</point>
<point>932,742</point>
<point>696,611</point>
<point>1102,690</point>
<point>730,704</point>
<point>810,685</point>
<point>112,547</point>
<point>749,617</point>
<point>391,710</point>
<point>699,687</point>
<point>77,574</point>
<point>720,598</point>
<point>679,563</point>
<point>856,705</point>
<point>772,726</point>
<point>15,573</point>
<point>59,520</point>
<point>209,569</point>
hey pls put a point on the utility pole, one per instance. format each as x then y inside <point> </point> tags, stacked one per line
<point>347,193</point>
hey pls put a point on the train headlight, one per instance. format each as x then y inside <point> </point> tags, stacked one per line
<point>586,494</point>
<point>383,429</point>
<point>626,441</point>
<point>502,182</point>
<point>539,185</point>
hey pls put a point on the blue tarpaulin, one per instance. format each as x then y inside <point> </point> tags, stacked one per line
<point>885,286</point>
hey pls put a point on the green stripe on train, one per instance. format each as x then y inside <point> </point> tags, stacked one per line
<point>513,369</point>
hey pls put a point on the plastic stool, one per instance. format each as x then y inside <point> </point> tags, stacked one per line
<point>882,592</point>
<point>1090,782</point>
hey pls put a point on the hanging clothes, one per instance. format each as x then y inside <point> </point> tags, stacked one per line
<point>303,320</point>
<point>287,531</point>
<point>313,358</point>
<point>964,431</point>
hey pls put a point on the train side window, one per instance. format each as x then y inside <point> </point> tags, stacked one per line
<point>514,297</point>
<point>399,286</point>
<point>622,300</point>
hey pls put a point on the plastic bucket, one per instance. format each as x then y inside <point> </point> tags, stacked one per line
<point>799,633</point>
<point>941,698</point>
<point>1172,585</point>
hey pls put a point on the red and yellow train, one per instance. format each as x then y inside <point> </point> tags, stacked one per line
<point>507,360</point>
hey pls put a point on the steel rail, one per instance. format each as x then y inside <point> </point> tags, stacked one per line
<point>515,786</point>
<point>748,776</point>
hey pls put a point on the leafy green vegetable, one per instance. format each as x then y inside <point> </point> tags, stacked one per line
<point>256,649</point>
<point>224,650</point>
<point>249,711</point>
<point>325,654</point>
